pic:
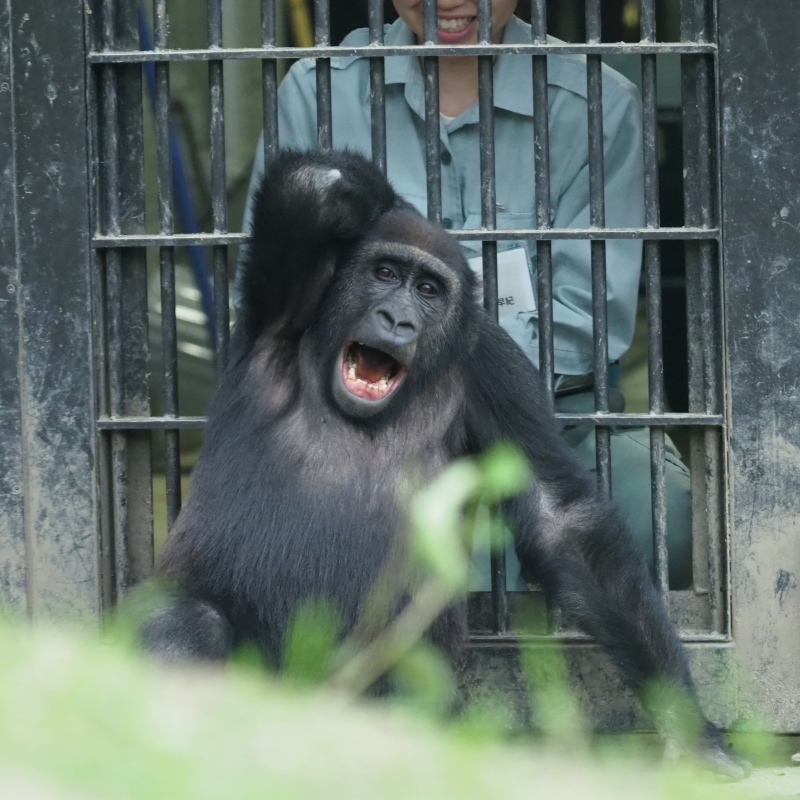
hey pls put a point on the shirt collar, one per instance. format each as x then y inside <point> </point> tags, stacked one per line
<point>400,69</point>
<point>513,80</point>
<point>513,75</point>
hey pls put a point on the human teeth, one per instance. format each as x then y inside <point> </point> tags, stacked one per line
<point>454,25</point>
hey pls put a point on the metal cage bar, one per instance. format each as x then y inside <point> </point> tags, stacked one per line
<point>269,81</point>
<point>706,463</point>
<point>626,420</point>
<point>128,550</point>
<point>322,37</point>
<point>652,266</point>
<point>115,378</point>
<point>489,260</point>
<point>166,224</point>
<point>377,87</point>
<point>428,48</point>
<point>538,234</point>
<point>219,192</point>
<point>594,88</point>
<point>430,68</point>
<point>541,165</point>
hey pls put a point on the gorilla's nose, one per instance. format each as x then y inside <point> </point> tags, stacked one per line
<point>398,326</point>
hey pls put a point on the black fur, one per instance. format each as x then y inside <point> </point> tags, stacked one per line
<point>296,492</point>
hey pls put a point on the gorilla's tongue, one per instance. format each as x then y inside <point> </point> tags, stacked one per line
<point>372,364</point>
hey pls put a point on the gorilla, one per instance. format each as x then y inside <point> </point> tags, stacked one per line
<point>360,353</point>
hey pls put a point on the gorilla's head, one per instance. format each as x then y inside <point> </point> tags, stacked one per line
<point>398,314</point>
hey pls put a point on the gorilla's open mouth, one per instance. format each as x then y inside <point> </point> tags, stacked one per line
<point>370,373</point>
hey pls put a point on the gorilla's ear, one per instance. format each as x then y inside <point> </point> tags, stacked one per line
<point>311,209</point>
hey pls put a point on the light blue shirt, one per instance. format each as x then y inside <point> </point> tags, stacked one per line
<point>515,193</point>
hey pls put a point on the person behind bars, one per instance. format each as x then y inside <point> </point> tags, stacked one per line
<point>515,208</point>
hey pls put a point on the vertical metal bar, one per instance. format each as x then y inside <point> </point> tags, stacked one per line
<point>715,503</point>
<point>760,140</point>
<point>113,541</point>
<point>269,81</point>
<point>487,160</point>
<point>48,503</point>
<point>322,37</point>
<point>430,67</point>
<point>377,87</point>
<point>116,377</point>
<point>692,169</point>
<point>691,203</point>
<point>541,165</point>
<point>652,261</point>
<point>489,221</point>
<point>166,222</point>
<point>16,585</point>
<point>712,321</point>
<point>138,488</point>
<point>708,288</point>
<point>100,326</point>
<point>697,83</point>
<point>594,85</point>
<point>708,509</point>
<point>219,204</point>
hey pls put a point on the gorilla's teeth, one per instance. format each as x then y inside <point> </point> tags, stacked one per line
<point>351,366</point>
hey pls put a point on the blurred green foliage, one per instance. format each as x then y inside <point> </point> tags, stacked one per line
<point>81,719</point>
<point>85,718</point>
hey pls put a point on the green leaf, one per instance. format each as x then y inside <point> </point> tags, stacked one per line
<point>437,523</point>
<point>505,472</point>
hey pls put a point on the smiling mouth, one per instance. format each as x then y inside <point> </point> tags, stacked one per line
<point>454,25</point>
<point>370,373</point>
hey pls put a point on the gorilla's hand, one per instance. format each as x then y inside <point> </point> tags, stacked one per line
<point>312,208</point>
<point>336,193</point>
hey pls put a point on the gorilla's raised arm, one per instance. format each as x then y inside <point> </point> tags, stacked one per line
<point>310,211</point>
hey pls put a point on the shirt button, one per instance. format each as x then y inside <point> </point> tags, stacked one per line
<point>446,158</point>
<point>447,223</point>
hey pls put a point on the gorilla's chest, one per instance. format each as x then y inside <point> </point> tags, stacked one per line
<point>346,491</point>
<point>336,457</point>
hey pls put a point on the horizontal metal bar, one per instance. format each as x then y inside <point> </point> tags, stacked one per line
<point>149,423</point>
<point>638,420</point>
<point>504,640</point>
<point>374,50</point>
<point>614,420</point>
<point>477,235</point>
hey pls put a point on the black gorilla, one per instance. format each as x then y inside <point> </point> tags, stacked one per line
<point>360,351</point>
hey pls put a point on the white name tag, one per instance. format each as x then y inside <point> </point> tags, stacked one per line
<point>514,288</point>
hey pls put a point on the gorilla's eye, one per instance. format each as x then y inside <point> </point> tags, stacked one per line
<point>427,289</point>
<point>385,274</point>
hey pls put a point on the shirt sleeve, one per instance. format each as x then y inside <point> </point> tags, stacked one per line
<point>297,125</point>
<point>572,274</point>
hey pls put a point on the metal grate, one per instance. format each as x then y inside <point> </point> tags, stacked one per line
<point>701,233</point>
